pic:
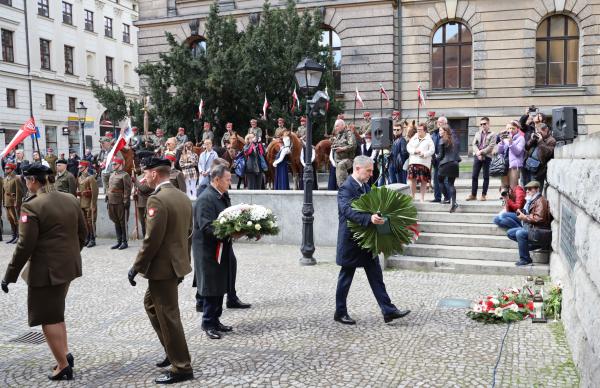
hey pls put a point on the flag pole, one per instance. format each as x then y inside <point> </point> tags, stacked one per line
<point>418,102</point>
<point>381,100</point>
<point>354,117</point>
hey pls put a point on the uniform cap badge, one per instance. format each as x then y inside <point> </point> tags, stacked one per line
<point>152,211</point>
<point>24,218</point>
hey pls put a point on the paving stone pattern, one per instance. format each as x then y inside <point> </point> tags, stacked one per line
<point>288,337</point>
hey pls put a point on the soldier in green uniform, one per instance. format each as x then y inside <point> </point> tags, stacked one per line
<point>229,133</point>
<point>104,170</point>
<point>13,196</point>
<point>256,130</point>
<point>431,122</point>
<point>164,259</point>
<point>119,192</point>
<point>140,196</point>
<point>343,145</point>
<point>158,140</point>
<point>65,182</point>
<point>366,127</point>
<point>87,191</point>
<point>280,127</point>
<point>177,178</point>
<point>301,131</point>
<point>1,201</point>
<point>51,159</point>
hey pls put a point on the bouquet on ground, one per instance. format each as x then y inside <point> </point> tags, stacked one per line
<point>508,305</point>
<point>400,215</point>
<point>252,221</point>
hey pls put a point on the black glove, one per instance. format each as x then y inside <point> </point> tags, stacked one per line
<point>179,280</point>
<point>106,198</point>
<point>5,286</point>
<point>131,275</point>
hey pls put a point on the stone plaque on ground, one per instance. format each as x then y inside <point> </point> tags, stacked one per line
<point>567,234</point>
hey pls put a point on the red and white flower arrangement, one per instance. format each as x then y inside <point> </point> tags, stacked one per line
<point>508,305</point>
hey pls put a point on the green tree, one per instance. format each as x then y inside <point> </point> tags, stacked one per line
<point>116,103</point>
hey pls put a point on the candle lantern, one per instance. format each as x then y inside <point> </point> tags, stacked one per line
<point>538,309</point>
<point>538,285</point>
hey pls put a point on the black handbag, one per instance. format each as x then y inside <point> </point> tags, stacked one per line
<point>532,163</point>
<point>499,165</point>
<point>540,236</point>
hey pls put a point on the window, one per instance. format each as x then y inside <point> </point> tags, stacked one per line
<point>89,21</point>
<point>45,53</point>
<point>8,54</point>
<point>43,9</point>
<point>51,137</point>
<point>9,2</point>
<point>72,104</point>
<point>11,98</point>
<point>451,57</point>
<point>67,13</point>
<point>50,101</point>
<point>74,138</point>
<point>331,41</point>
<point>108,27</point>
<point>91,64</point>
<point>109,70</point>
<point>69,60</point>
<point>126,73</point>
<point>126,37</point>
<point>198,46</point>
<point>557,52</point>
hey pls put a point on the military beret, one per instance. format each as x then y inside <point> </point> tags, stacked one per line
<point>171,157</point>
<point>84,163</point>
<point>154,162</point>
<point>36,169</point>
<point>61,161</point>
<point>117,160</point>
<point>10,165</point>
<point>535,184</point>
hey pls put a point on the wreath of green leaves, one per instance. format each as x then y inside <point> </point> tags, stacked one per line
<point>398,208</point>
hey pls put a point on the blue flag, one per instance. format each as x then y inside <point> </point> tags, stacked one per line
<point>37,134</point>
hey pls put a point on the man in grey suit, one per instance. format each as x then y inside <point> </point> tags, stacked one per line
<point>204,163</point>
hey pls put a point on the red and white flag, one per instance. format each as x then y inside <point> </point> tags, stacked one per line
<point>358,99</point>
<point>26,129</point>
<point>327,104</point>
<point>295,100</point>
<point>122,141</point>
<point>382,91</point>
<point>200,108</point>
<point>265,107</point>
<point>421,96</point>
<point>219,252</point>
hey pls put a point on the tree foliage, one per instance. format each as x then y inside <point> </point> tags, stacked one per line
<point>237,70</point>
<point>115,102</point>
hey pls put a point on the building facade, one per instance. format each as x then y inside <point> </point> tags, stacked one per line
<point>51,50</point>
<point>472,58</point>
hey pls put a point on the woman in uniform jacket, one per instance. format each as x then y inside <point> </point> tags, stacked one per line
<point>52,232</point>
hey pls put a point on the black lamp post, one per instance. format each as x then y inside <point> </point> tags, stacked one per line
<point>81,113</point>
<point>308,75</point>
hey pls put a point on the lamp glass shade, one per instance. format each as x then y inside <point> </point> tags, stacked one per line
<point>308,73</point>
<point>81,111</point>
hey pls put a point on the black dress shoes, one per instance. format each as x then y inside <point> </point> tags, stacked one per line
<point>164,363</point>
<point>123,245</point>
<point>395,315</point>
<point>345,319</point>
<point>70,361</point>
<point>116,246</point>
<point>212,333</point>
<point>65,374</point>
<point>222,328</point>
<point>199,308</point>
<point>172,378</point>
<point>237,304</point>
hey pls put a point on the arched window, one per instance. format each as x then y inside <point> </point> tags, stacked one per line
<point>557,52</point>
<point>197,46</point>
<point>451,57</point>
<point>331,40</point>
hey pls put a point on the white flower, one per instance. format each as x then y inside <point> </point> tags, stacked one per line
<point>477,308</point>
<point>495,301</point>
<point>249,223</point>
<point>257,226</point>
<point>498,311</point>
<point>514,307</point>
<point>222,220</point>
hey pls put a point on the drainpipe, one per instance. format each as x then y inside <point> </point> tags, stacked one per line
<point>399,66</point>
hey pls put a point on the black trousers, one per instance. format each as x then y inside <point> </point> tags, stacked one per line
<point>231,292</point>
<point>375,278</point>
<point>213,308</point>
<point>477,166</point>
<point>253,180</point>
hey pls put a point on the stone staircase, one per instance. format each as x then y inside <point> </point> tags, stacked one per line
<point>466,241</point>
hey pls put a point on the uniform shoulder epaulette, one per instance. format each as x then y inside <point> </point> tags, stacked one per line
<point>32,196</point>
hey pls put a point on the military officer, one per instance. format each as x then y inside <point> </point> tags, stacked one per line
<point>343,145</point>
<point>280,127</point>
<point>104,170</point>
<point>256,130</point>
<point>140,196</point>
<point>65,181</point>
<point>366,127</point>
<point>135,143</point>
<point>119,192</point>
<point>207,132</point>
<point>164,259</point>
<point>301,131</point>
<point>1,201</point>
<point>51,159</point>
<point>159,140</point>
<point>13,196</point>
<point>177,178</point>
<point>229,133</point>
<point>431,122</point>
<point>87,191</point>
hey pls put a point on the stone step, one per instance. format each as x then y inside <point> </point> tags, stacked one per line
<point>465,266</point>
<point>473,253</point>
<point>461,228</point>
<point>464,207</point>
<point>466,240</point>
<point>445,216</point>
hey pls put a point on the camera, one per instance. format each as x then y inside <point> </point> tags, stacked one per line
<point>532,110</point>
<point>504,193</point>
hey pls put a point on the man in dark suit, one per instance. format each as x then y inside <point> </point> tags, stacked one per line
<point>350,255</point>
<point>212,256</point>
<point>164,259</point>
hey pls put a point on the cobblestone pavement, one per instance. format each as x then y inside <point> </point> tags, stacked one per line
<point>288,337</point>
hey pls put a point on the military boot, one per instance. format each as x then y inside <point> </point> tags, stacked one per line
<point>92,242</point>
<point>15,238</point>
<point>1,228</point>
<point>87,240</point>
<point>124,244</point>
<point>119,237</point>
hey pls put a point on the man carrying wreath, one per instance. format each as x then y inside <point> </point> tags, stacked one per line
<point>350,255</point>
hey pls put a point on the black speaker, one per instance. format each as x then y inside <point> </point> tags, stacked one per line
<point>89,142</point>
<point>381,133</point>
<point>564,123</point>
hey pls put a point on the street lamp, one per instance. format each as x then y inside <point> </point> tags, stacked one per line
<point>81,113</point>
<point>308,75</point>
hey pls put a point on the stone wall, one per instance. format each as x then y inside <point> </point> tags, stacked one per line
<point>575,204</point>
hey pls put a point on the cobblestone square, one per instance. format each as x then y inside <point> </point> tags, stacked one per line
<point>288,337</point>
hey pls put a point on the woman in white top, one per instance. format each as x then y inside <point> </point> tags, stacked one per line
<point>420,148</point>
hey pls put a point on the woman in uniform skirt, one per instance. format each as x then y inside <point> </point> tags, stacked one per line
<point>52,232</point>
